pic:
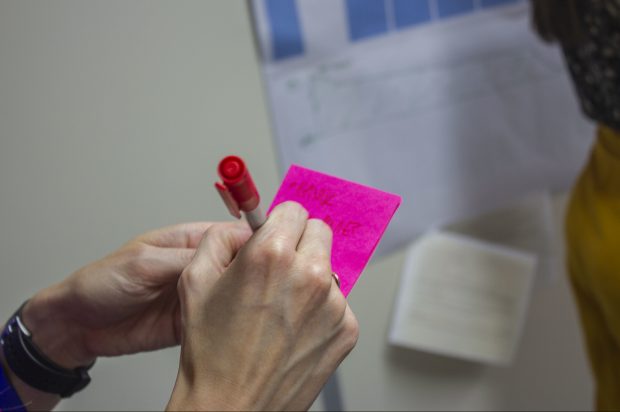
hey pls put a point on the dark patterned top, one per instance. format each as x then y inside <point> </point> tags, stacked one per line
<point>595,65</point>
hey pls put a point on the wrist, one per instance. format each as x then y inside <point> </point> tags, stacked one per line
<point>47,317</point>
<point>206,396</point>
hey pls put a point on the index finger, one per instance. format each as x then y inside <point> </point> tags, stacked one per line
<point>316,242</point>
<point>284,226</point>
<point>182,235</point>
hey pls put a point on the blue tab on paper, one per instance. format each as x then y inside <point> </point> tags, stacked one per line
<point>286,38</point>
<point>411,12</point>
<point>493,3</point>
<point>448,8</point>
<point>366,18</point>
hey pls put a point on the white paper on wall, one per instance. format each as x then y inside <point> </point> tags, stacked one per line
<point>460,114</point>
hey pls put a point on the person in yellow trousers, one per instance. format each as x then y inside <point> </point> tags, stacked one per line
<point>589,32</point>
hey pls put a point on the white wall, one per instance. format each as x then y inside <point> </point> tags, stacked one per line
<point>113,115</point>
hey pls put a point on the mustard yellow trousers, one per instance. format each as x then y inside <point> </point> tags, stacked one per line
<point>593,259</point>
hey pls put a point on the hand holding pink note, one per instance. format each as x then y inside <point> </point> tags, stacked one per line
<point>358,216</point>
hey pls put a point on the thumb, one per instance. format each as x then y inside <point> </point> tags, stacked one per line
<point>216,250</point>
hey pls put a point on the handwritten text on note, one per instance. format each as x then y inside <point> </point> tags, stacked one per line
<point>358,216</point>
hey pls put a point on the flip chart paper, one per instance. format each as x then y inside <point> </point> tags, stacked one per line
<point>358,216</point>
<point>459,110</point>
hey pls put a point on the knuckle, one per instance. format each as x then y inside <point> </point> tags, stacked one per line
<point>138,251</point>
<point>318,275</point>
<point>222,232</point>
<point>350,332</point>
<point>190,278</point>
<point>277,251</point>
<point>137,256</point>
<point>214,231</point>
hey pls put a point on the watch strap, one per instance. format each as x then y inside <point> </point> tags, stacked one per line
<point>36,369</point>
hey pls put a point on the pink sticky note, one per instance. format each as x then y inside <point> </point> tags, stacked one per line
<point>357,214</point>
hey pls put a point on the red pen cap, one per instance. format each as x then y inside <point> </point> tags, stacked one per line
<point>237,179</point>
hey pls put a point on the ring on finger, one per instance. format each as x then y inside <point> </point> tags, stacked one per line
<point>336,278</point>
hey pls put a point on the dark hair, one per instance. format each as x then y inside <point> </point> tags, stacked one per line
<point>559,20</point>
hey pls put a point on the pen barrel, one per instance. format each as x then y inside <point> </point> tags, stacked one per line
<point>255,218</point>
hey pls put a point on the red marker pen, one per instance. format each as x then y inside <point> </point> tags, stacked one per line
<point>238,191</point>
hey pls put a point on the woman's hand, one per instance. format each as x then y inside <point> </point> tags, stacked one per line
<point>124,303</point>
<point>264,323</point>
